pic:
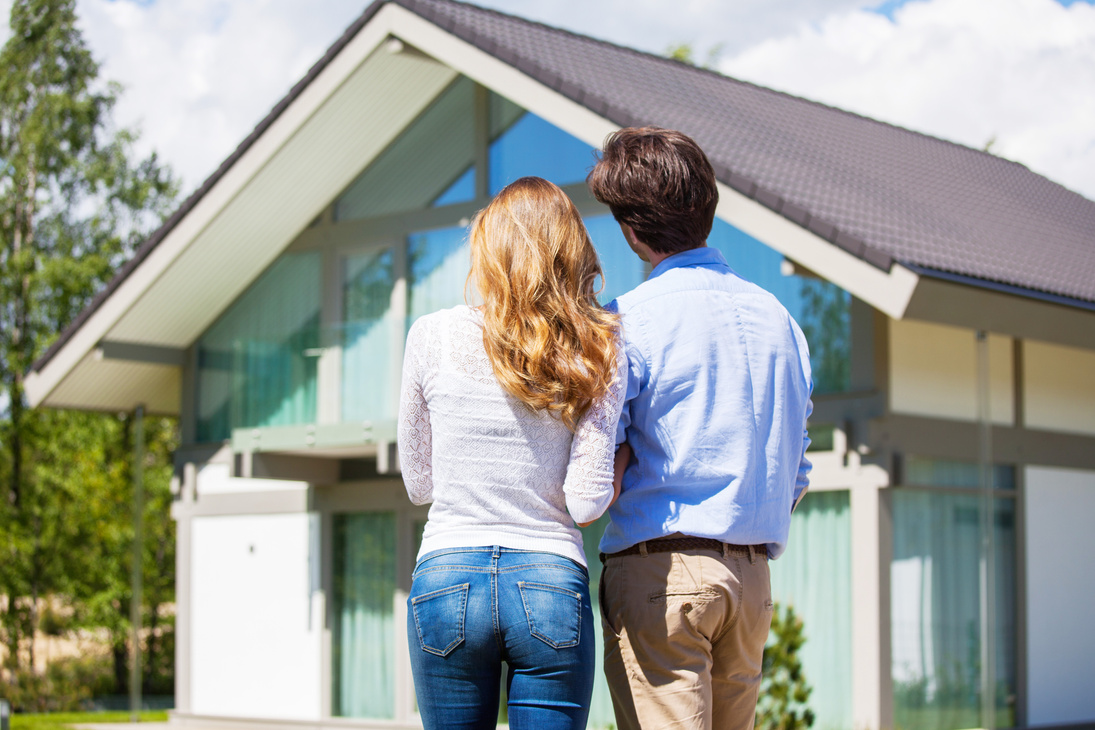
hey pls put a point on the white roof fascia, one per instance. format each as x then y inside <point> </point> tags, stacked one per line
<point>889,292</point>
<point>39,384</point>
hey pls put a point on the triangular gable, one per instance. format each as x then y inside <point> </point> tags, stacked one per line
<point>393,62</point>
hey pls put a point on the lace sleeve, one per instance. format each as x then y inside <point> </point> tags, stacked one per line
<point>588,485</point>
<point>415,437</point>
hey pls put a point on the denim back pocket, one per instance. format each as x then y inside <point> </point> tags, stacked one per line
<point>439,618</point>
<point>554,614</point>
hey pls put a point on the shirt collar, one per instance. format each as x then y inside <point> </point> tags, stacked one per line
<point>702,256</point>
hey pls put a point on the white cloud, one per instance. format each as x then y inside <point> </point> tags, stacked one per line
<point>199,75</point>
<point>653,25</point>
<point>1015,71</point>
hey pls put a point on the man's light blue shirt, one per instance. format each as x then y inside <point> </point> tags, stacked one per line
<point>718,394</point>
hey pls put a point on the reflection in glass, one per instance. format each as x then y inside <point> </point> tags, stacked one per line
<point>623,269</point>
<point>935,610</point>
<point>437,266</point>
<point>924,471</point>
<point>820,545</point>
<point>367,390</point>
<point>532,146</point>
<point>424,162</point>
<point>257,363</point>
<point>826,322</point>
<point>600,706</point>
<point>822,309</point>
<point>462,190</point>
<point>363,641</point>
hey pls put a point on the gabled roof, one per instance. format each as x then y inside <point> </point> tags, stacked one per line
<point>876,191</point>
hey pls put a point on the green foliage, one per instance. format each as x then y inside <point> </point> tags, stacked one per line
<point>74,203</point>
<point>784,691</point>
<point>67,685</point>
<point>826,323</point>
<point>684,53</point>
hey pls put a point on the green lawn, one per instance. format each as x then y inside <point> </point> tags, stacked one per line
<point>62,720</point>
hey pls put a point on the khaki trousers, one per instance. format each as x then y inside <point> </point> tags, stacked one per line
<point>684,637</point>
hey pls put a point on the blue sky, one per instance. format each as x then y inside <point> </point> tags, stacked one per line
<point>198,75</point>
<point>888,7</point>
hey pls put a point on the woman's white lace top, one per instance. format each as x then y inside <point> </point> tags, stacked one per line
<point>496,471</point>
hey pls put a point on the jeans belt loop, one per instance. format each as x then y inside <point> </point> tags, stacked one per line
<point>725,550</point>
<point>752,555</point>
<point>642,548</point>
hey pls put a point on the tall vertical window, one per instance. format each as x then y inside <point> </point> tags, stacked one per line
<point>601,715</point>
<point>257,363</point>
<point>936,601</point>
<point>813,577</point>
<point>525,144</point>
<point>623,269</point>
<point>437,269</point>
<point>367,341</point>
<point>363,641</point>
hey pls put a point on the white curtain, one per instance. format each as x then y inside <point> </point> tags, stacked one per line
<point>813,576</point>
<point>254,363</point>
<point>936,605</point>
<point>364,644</point>
<point>367,385</point>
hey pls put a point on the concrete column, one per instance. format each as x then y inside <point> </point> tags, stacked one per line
<point>872,549</point>
<point>183,521</point>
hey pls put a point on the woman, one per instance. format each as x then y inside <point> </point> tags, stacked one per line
<point>507,421</point>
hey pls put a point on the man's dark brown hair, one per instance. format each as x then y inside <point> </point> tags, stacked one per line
<point>660,183</point>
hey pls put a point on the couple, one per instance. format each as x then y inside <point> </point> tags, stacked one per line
<point>681,410</point>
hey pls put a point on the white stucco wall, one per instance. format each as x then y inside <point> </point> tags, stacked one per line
<point>933,372</point>
<point>255,649</point>
<point>218,479</point>
<point>1059,387</point>
<point>1060,541</point>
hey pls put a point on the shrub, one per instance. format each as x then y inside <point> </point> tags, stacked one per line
<point>783,691</point>
<point>67,685</point>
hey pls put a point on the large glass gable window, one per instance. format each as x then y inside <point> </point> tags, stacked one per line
<point>430,162</point>
<point>257,363</point>
<point>368,336</point>
<point>529,145</point>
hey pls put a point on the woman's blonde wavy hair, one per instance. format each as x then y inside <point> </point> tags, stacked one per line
<point>551,345</point>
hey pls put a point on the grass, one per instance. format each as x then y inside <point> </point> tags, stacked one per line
<point>63,720</point>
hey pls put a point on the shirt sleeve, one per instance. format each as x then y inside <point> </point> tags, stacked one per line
<point>634,369</point>
<point>588,484</point>
<point>414,436</point>
<point>802,480</point>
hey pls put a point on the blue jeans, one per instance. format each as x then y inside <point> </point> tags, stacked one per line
<point>471,609</point>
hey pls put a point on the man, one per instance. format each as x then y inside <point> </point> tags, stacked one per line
<point>717,399</point>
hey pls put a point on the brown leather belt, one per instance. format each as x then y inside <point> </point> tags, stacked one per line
<point>683,544</point>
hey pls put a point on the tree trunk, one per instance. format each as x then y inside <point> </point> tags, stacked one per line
<point>35,587</point>
<point>121,667</point>
<point>151,648</point>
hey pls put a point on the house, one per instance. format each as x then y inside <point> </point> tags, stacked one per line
<point>948,295</point>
